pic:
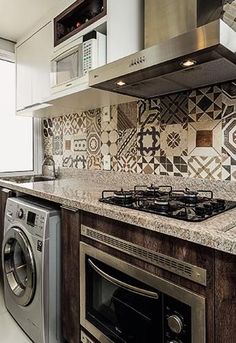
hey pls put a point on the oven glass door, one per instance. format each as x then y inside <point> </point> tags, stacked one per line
<point>123,308</point>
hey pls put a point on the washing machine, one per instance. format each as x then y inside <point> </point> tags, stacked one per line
<point>31,268</point>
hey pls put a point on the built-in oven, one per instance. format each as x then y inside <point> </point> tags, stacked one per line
<point>122,303</point>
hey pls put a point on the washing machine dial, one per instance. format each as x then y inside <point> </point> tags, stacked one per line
<point>20,213</point>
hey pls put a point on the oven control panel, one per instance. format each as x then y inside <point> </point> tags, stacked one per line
<point>177,321</point>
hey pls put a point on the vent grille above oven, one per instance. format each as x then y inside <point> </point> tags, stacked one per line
<point>171,264</point>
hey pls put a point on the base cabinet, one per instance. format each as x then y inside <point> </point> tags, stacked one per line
<point>70,302</point>
<point>220,289</point>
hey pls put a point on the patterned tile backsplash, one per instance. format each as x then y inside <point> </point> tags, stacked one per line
<point>190,134</point>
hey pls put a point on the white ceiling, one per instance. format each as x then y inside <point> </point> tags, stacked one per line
<point>18,16</point>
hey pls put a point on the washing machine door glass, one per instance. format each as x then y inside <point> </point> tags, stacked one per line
<point>19,266</point>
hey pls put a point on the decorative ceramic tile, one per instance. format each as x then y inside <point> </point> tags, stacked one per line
<point>228,168</point>
<point>47,127</point>
<point>149,112</point>
<point>174,108</point>
<point>174,140</point>
<point>205,167</point>
<point>174,166</point>
<point>114,163</point>
<point>205,104</point>
<point>109,142</point>
<point>68,144</point>
<point>47,145</point>
<point>93,120</point>
<point>57,126</point>
<point>93,143</point>
<point>204,138</point>
<point>112,124</point>
<point>148,141</point>
<point>74,161</point>
<point>228,99</point>
<point>78,121</point>
<point>148,165</point>
<point>67,126</point>
<point>127,164</point>
<point>229,135</point>
<point>127,143</point>
<point>93,162</point>
<point>80,142</point>
<point>127,116</point>
<point>57,145</point>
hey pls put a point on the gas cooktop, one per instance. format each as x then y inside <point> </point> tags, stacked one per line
<point>192,206</point>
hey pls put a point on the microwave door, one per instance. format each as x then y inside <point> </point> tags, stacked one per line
<point>66,67</point>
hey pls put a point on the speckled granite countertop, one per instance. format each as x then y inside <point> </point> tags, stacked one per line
<point>218,232</point>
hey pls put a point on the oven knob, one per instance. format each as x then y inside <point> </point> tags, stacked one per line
<point>20,213</point>
<point>175,324</point>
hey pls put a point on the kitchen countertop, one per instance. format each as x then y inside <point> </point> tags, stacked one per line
<point>218,232</point>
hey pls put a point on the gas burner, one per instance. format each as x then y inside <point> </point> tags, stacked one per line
<point>120,197</point>
<point>152,191</point>
<point>186,204</point>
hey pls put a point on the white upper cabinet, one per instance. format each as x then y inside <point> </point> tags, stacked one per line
<point>124,28</point>
<point>33,68</point>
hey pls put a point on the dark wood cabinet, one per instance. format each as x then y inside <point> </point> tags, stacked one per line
<point>4,195</point>
<point>70,289</point>
<point>78,16</point>
<point>220,289</point>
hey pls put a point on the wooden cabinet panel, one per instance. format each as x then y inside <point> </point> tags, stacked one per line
<point>225,298</point>
<point>70,290</point>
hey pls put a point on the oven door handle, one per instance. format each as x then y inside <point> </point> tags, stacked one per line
<point>122,284</point>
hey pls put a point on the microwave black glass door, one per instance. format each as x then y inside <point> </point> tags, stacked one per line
<point>117,310</point>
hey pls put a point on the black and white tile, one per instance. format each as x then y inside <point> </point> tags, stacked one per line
<point>174,109</point>
<point>148,141</point>
<point>205,104</point>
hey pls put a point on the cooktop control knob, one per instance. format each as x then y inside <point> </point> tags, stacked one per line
<point>175,324</point>
<point>20,213</point>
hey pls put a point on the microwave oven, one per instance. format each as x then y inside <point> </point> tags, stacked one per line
<point>70,65</point>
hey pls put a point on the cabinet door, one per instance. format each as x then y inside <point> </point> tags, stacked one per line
<point>33,67</point>
<point>23,75</point>
<point>41,44</point>
<point>70,289</point>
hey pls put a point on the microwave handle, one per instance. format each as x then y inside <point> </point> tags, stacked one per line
<point>122,284</point>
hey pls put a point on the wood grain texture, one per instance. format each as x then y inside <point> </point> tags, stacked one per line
<point>70,289</point>
<point>185,251</point>
<point>225,298</point>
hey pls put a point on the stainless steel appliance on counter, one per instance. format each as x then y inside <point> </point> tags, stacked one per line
<point>121,303</point>
<point>188,44</point>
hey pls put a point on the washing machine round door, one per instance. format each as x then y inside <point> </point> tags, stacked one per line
<point>19,266</point>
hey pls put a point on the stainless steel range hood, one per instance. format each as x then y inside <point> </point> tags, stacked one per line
<point>176,31</point>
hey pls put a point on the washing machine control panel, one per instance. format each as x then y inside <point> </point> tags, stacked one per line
<point>34,220</point>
